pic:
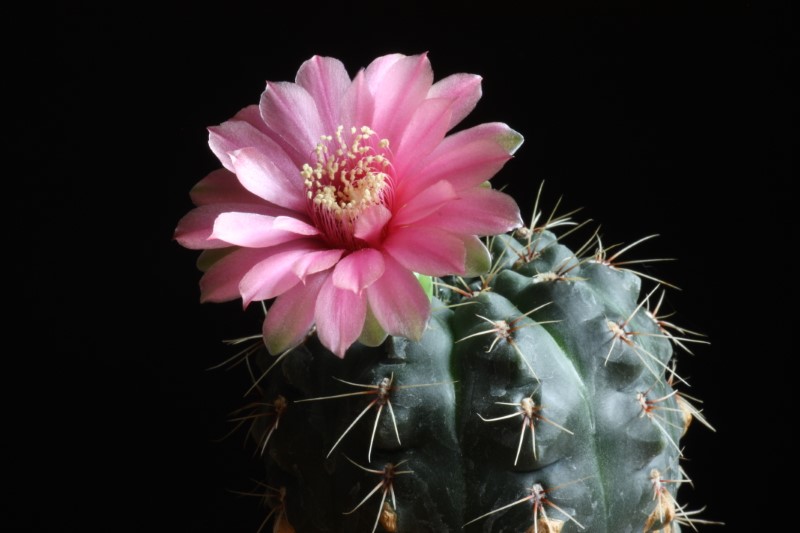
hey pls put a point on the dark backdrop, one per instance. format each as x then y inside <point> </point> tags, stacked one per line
<point>677,126</point>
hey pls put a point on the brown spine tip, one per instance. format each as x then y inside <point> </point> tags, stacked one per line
<point>686,413</point>
<point>546,525</point>
<point>661,518</point>
<point>282,524</point>
<point>388,518</point>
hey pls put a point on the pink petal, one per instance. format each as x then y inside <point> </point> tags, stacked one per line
<point>241,132</point>
<point>252,115</point>
<point>424,132</point>
<point>274,275</point>
<point>291,315</point>
<point>289,111</point>
<point>378,68</point>
<point>398,301</point>
<point>221,186</point>
<point>256,134</point>
<point>230,136</point>
<point>358,104</point>
<point>463,89</point>
<point>478,211</point>
<point>313,262</point>
<point>294,225</point>
<point>251,230</point>
<point>339,315</point>
<point>195,229</point>
<point>423,203</point>
<point>262,177</point>
<point>326,80</point>
<point>398,93</point>
<point>427,250</point>
<point>370,223</point>
<point>220,283</point>
<point>467,158</point>
<point>358,270</point>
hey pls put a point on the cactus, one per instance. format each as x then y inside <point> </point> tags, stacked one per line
<point>542,396</point>
<point>412,377</point>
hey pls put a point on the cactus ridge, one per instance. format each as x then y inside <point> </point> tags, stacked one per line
<point>540,398</point>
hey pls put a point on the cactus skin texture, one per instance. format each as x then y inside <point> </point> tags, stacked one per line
<point>549,345</point>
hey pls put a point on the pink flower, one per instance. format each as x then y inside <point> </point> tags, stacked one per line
<point>336,191</point>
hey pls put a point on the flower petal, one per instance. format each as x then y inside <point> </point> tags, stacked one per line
<point>261,176</point>
<point>245,130</point>
<point>370,224</point>
<point>468,158</point>
<point>291,315</point>
<point>196,228</point>
<point>425,130</point>
<point>339,315</point>
<point>221,186</point>
<point>313,262</point>
<point>252,230</point>
<point>294,225</point>
<point>358,104</point>
<point>463,89</point>
<point>274,275</point>
<point>378,68</point>
<point>288,110</point>
<point>427,250</point>
<point>398,301</point>
<point>326,80</point>
<point>252,115</point>
<point>358,270</point>
<point>478,211</point>
<point>220,283</point>
<point>398,93</point>
<point>422,204</point>
<point>230,136</point>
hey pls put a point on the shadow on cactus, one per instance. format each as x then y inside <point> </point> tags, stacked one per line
<point>529,388</point>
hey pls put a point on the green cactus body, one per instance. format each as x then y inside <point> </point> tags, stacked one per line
<point>441,432</point>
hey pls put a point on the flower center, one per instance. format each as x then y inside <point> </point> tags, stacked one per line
<point>351,173</point>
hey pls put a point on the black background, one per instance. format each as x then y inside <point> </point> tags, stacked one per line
<point>678,126</point>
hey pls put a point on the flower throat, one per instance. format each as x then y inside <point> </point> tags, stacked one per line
<point>351,174</point>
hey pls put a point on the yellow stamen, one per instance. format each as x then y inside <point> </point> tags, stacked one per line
<point>346,179</point>
<point>351,172</point>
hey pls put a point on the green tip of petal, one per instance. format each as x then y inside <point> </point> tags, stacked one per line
<point>510,141</point>
<point>479,260</point>
<point>373,334</point>
<point>277,343</point>
<point>207,258</point>
<point>427,284</point>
